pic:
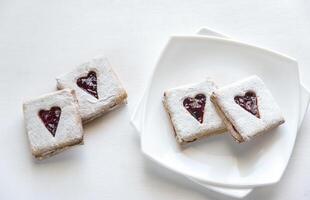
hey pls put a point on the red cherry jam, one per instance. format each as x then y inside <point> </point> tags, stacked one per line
<point>248,102</point>
<point>196,106</point>
<point>89,83</point>
<point>50,118</point>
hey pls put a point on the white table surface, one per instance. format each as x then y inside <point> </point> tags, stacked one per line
<point>41,39</point>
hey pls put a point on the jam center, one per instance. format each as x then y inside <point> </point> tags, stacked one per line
<point>196,106</point>
<point>89,83</point>
<point>50,118</point>
<point>248,102</point>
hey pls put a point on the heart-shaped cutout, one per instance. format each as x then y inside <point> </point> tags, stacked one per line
<point>50,118</point>
<point>248,102</point>
<point>196,106</point>
<point>89,83</point>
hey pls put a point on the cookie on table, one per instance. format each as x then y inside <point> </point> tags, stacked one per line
<point>247,108</point>
<point>191,112</point>
<point>53,123</point>
<point>97,88</point>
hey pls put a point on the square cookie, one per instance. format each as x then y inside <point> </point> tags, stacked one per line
<point>191,112</point>
<point>247,108</point>
<point>97,88</point>
<point>53,123</point>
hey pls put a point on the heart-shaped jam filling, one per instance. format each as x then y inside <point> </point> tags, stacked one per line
<point>89,83</point>
<point>248,102</point>
<point>50,118</point>
<point>196,106</point>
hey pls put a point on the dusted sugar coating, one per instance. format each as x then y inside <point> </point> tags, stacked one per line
<point>248,102</point>
<point>97,88</point>
<point>191,113</point>
<point>89,83</point>
<point>53,123</point>
<point>50,118</point>
<point>196,106</point>
<point>253,112</point>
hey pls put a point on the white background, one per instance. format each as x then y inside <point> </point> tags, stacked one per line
<point>41,39</point>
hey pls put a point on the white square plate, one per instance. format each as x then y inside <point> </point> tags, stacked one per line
<point>137,121</point>
<point>259,162</point>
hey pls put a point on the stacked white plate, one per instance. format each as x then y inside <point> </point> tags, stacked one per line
<point>218,163</point>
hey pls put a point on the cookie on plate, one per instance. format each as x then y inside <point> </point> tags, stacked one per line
<point>53,123</point>
<point>191,112</point>
<point>97,87</point>
<point>247,108</point>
